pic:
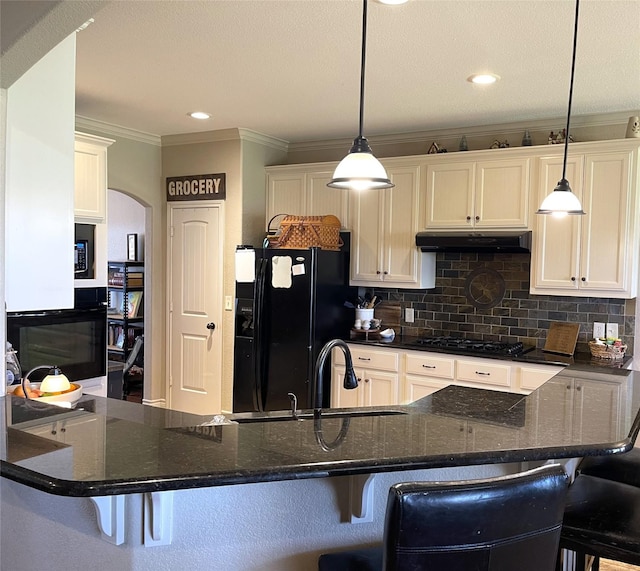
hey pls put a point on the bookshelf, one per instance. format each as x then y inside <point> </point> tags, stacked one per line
<point>125,311</point>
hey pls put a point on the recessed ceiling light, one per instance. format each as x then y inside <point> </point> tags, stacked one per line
<point>393,2</point>
<point>483,78</point>
<point>199,115</point>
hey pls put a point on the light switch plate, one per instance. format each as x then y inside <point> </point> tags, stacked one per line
<point>408,314</point>
<point>612,330</point>
<point>599,330</point>
<point>228,303</point>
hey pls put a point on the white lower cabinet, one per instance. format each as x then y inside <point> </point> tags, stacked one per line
<point>572,401</point>
<point>86,434</point>
<point>530,377</point>
<point>378,380</point>
<point>425,373</point>
<point>486,373</point>
<point>392,376</point>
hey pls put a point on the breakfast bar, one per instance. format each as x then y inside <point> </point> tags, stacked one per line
<point>271,491</point>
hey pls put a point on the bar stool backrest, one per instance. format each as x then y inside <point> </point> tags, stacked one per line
<point>498,524</point>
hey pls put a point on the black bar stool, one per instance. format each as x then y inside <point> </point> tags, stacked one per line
<point>497,524</point>
<point>602,519</point>
<point>623,468</point>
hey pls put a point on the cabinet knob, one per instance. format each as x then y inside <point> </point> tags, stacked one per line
<point>359,380</point>
<point>366,380</point>
<point>54,432</point>
<point>584,279</point>
<point>211,325</point>
<point>378,272</point>
<point>385,273</point>
<point>573,278</point>
<point>468,218</point>
<point>477,218</point>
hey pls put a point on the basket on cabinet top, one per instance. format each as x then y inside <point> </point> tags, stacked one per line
<point>602,351</point>
<point>302,232</point>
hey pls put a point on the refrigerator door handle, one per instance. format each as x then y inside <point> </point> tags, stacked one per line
<point>258,324</point>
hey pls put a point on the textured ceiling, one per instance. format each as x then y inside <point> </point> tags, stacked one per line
<point>290,68</point>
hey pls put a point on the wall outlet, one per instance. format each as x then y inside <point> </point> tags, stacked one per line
<point>599,330</point>
<point>228,303</point>
<point>408,314</point>
<point>612,330</point>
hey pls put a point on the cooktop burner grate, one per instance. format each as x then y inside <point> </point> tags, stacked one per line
<point>474,345</point>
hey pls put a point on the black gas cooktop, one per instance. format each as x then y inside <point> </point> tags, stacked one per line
<point>474,345</point>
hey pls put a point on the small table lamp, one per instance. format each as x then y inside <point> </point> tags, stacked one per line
<point>54,382</point>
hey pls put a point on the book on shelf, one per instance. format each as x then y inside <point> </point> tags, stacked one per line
<point>116,336</point>
<point>134,304</point>
<point>133,279</point>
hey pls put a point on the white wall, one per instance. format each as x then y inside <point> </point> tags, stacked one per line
<point>125,215</point>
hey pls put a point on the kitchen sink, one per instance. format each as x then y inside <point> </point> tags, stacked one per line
<point>284,415</point>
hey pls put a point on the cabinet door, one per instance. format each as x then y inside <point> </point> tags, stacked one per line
<point>502,194</point>
<point>90,167</point>
<point>86,434</point>
<point>341,397</point>
<point>400,255</point>
<point>322,200</point>
<point>556,240</point>
<point>416,387</point>
<point>606,240</point>
<point>603,397</point>
<point>380,388</point>
<point>449,195</point>
<point>285,194</point>
<point>530,378</point>
<point>367,236</point>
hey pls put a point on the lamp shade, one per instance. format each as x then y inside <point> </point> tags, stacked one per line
<point>561,201</point>
<point>360,170</point>
<point>55,382</point>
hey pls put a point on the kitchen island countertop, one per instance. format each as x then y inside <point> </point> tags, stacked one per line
<point>121,448</point>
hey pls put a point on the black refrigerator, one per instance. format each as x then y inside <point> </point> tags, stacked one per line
<point>293,306</point>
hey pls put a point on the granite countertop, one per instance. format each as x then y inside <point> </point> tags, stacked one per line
<point>113,447</point>
<point>533,357</point>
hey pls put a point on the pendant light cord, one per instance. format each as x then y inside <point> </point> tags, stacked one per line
<point>362,61</point>
<point>573,67</point>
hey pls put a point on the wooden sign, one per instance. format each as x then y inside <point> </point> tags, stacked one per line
<point>562,338</point>
<point>197,187</point>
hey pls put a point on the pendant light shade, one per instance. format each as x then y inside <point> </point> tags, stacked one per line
<point>360,170</point>
<point>562,201</point>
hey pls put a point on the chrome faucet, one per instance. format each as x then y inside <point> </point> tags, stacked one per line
<point>350,379</point>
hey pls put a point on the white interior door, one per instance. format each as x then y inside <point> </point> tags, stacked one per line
<point>195,308</point>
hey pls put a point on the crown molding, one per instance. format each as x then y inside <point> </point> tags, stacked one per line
<point>493,131</point>
<point>236,134</point>
<point>116,130</point>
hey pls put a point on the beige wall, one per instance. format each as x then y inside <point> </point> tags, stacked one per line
<point>242,155</point>
<point>134,167</point>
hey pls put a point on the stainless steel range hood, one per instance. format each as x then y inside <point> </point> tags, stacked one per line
<point>503,242</point>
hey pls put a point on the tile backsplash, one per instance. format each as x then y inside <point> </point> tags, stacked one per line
<point>467,283</point>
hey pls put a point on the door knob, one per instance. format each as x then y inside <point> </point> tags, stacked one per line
<point>211,325</point>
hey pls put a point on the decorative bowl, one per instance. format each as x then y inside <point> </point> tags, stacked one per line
<point>388,334</point>
<point>64,398</point>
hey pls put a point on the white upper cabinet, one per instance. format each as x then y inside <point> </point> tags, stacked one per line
<point>90,163</point>
<point>384,224</point>
<point>478,193</point>
<point>302,190</point>
<point>596,254</point>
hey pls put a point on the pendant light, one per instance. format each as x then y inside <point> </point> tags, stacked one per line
<point>360,170</point>
<point>562,201</point>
